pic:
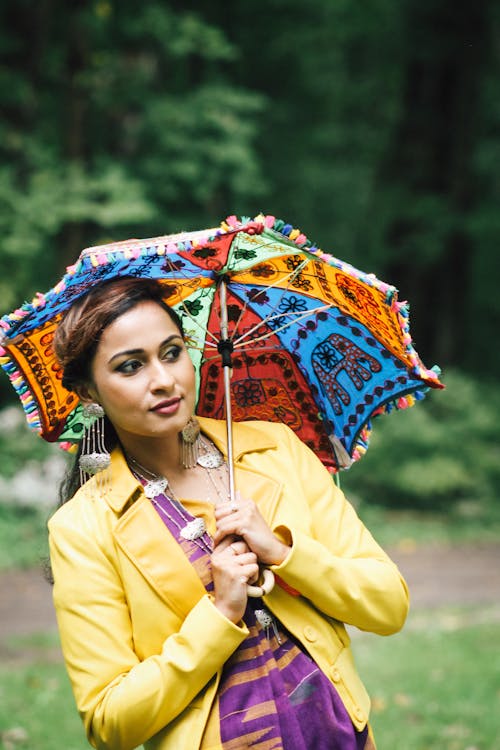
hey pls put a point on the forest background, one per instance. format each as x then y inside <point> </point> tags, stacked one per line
<point>374,127</point>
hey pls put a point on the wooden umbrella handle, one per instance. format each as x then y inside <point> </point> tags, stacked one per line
<point>265,587</point>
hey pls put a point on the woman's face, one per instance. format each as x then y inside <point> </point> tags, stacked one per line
<point>143,376</point>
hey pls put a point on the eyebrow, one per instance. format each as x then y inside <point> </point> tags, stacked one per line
<point>131,352</point>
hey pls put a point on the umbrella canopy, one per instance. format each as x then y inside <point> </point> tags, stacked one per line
<point>309,340</point>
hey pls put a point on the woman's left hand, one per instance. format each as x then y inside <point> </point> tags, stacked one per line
<point>247,522</point>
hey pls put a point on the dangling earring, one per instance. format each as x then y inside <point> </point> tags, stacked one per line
<point>94,457</point>
<point>190,443</point>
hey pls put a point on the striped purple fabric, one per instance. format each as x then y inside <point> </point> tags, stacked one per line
<point>272,695</point>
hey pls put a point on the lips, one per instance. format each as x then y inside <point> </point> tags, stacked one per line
<point>169,406</point>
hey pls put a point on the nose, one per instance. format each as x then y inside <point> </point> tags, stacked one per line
<point>161,378</point>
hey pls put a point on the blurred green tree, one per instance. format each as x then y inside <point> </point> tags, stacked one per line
<point>373,127</point>
<point>119,119</point>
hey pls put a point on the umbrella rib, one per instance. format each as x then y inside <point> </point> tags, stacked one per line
<point>241,343</point>
<point>186,277</point>
<point>289,278</point>
<point>238,342</point>
<point>204,329</point>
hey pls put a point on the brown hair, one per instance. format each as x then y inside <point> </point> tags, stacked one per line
<point>77,338</point>
<point>79,332</point>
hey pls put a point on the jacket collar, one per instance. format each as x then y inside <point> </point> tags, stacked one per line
<point>125,488</point>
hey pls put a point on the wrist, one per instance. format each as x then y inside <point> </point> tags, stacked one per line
<point>280,553</point>
<point>228,612</point>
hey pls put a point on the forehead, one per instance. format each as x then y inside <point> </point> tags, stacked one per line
<point>145,324</point>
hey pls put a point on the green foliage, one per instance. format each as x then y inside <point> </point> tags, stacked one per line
<point>442,454</point>
<point>20,445</point>
<point>23,536</point>
<point>31,471</point>
<point>37,709</point>
<point>373,127</point>
<point>408,677</point>
<point>434,688</point>
<point>120,119</point>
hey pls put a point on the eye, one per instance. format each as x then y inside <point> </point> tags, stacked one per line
<point>171,353</point>
<point>129,366</point>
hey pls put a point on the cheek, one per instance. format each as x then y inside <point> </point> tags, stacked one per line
<point>120,398</point>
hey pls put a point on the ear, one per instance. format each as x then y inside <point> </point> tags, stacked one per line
<point>87,394</point>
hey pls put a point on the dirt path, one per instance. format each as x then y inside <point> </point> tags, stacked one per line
<point>438,576</point>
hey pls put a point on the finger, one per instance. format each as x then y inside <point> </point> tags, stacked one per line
<point>246,558</point>
<point>239,547</point>
<point>225,529</point>
<point>223,542</point>
<point>225,510</point>
<point>236,502</point>
<point>248,572</point>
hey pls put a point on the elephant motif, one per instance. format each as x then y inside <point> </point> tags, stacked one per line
<point>336,354</point>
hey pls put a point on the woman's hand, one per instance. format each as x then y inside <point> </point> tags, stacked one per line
<point>247,523</point>
<point>233,567</point>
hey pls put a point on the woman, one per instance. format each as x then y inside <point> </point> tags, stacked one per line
<point>151,563</point>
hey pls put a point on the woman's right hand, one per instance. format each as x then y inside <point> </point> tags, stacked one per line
<point>233,566</point>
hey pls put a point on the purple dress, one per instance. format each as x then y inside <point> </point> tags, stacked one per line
<point>272,695</point>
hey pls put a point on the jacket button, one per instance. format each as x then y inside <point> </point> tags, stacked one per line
<point>358,713</point>
<point>310,633</point>
<point>336,676</point>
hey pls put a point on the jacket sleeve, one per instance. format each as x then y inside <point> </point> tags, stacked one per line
<point>124,701</point>
<point>336,563</point>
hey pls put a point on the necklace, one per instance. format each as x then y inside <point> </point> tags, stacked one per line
<point>213,462</point>
<point>155,484</point>
<point>211,458</point>
<point>194,530</point>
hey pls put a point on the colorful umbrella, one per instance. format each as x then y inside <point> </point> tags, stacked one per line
<point>301,336</point>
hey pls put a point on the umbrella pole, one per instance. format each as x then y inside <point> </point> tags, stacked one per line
<point>229,427</point>
<point>225,347</point>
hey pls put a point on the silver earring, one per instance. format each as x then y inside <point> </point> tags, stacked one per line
<point>190,443</point>
<point>94,457</point>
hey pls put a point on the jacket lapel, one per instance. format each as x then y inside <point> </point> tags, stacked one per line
<point>149,545</point>
<point>147,542</point>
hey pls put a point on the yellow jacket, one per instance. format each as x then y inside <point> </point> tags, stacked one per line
<point>144,644</point>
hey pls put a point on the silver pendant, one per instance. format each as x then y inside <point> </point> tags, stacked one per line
<point>194,529</point>
<point>211,460</point>
<point>154,487</point>
<point>266,621</point>
<point>93,463</point>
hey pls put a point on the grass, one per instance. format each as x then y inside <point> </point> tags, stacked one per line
<point>434,687</point>
<point>37,710</point>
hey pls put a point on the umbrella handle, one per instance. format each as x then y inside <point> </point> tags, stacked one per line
<point>267,585</point>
